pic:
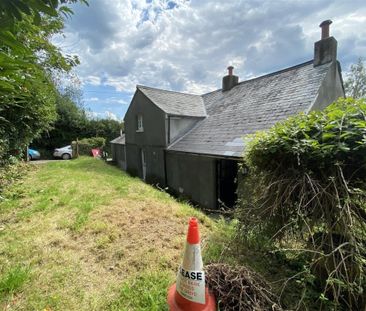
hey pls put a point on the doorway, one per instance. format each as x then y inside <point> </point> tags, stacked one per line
<point>226,183</point>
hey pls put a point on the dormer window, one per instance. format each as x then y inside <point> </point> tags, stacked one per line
<point>140,124</point>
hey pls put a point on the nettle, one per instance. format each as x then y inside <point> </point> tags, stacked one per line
<point>306,187</point>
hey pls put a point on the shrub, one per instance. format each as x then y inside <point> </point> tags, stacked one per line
<point>10,172</point>
<point>85,145</point>
<point>307,187</point>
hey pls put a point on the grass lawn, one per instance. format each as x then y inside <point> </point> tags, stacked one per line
<point>83,235</point>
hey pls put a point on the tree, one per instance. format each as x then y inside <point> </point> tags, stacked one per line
<point>27,62</point>
<point>12,11</point>
<point>355,84</point>
<point>72,122</point>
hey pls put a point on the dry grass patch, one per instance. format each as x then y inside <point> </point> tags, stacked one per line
<point>130,235</point>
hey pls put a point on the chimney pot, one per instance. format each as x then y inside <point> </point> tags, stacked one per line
<point>229,81</point>
<point>325,50</point>
<point>230,70</point>
<point>325,28</point>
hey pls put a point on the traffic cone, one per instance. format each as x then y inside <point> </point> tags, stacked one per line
<point>190,292</point>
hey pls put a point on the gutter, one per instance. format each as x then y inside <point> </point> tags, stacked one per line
<point>206,155</point>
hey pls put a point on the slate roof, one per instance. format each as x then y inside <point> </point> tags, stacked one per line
<point>121,140</point>
<point>175,103</point>
<point>252,105</point>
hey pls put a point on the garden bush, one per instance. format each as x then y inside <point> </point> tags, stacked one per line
<point>305,195</point>
<point>85,145</point>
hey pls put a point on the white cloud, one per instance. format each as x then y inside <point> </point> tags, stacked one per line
<point>110,115</point>
<point>92,80</point>
<point>102,115</point>
<point>187,45</point>
<point>115,101</point>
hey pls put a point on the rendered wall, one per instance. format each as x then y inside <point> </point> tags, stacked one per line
<point>152,140</point>
<point>178,126</point>
<point>154,157</point>
<point>331,88</point>
<point>118,155</point>
<point>193,177</point>
<point>154,133</point>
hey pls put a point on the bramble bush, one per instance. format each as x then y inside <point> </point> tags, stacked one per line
<point>304,196</point>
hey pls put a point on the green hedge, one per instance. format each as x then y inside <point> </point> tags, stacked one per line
<point>305,196</point>
<point>85,145</point>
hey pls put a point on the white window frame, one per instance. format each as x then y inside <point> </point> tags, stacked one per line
<point>140,123</point>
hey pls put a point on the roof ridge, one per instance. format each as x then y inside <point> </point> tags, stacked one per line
<point>170,91</point>
<point>242,82</point>
<point>267,75</point>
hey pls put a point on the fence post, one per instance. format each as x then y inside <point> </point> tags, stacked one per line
<point>77,147</point>
<point>26,156</point>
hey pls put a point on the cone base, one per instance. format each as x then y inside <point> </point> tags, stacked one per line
<point>178,303</point>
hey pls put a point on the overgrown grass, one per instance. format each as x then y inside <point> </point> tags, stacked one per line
<point>226,245</point>
<point>145,292</point>
<point>83,235</point>
<point>10,171</point>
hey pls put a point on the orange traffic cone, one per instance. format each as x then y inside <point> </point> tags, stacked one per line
<point>190,292</point>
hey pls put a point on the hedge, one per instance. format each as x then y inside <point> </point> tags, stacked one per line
<point>307,187</point>
<point>85,145</point>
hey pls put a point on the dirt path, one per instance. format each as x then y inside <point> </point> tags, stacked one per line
<point>36,162</point>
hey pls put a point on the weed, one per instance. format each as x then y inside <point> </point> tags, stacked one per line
<point>220,245</point>
<point>13,279</point>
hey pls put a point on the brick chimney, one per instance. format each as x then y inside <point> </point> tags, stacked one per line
<point>325,50</point>
<point>229,81</point>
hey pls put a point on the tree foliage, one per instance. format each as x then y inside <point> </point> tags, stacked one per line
<point>355,84</point>
<point>27,62</point>
<point>73,122</point>
<point>307,187</point>
<point>12,11</point>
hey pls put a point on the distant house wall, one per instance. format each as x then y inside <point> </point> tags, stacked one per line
<point>119,155</point>
<point>331,88</point>
<point>193,177</point>
<point>151,141</point>
<point>180,125</point>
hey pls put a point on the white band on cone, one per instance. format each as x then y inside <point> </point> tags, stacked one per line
<point>191,277</point>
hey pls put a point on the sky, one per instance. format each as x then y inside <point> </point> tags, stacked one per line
<point>186,46</point>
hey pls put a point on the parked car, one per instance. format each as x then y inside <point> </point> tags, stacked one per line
<point>64,153</point>
<point>33,154</point>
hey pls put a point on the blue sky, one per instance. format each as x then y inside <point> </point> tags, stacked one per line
<point>187,45</point>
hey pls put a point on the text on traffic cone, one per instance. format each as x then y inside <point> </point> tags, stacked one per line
<point>190,292</point>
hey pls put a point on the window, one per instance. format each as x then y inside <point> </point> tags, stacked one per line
<point>140,125</point>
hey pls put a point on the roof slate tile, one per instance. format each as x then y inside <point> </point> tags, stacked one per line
<point>175,103</point>
<point>252,105</point>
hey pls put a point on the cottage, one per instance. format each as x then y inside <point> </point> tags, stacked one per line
<point>193,143</point>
